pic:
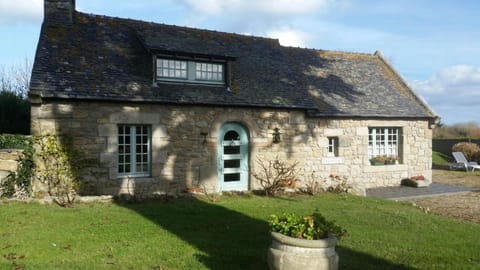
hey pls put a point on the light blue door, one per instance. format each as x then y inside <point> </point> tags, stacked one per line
<point>232,158</point>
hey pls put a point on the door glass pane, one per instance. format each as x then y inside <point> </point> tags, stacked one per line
<point>231,177</point>
<point>231,150</point>
<point>234,163</point>
<point>231,136</point>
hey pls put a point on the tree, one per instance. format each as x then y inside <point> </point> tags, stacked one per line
<point>14,105</point>
<point>470,130</point>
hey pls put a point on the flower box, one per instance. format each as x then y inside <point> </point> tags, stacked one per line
<point>416,181</point>
<point>383,160</point>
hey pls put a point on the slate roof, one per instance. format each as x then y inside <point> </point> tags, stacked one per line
<point>105,58</point>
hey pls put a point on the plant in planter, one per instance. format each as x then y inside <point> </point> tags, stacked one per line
<point>303,242</point>
<point>392,160</point>
<point>378,160</point>
<point>384,160</point>
<point>416,181</point>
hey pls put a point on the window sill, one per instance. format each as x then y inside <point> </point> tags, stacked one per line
<point>135,177</point>
<point>385,168</point>
<point>189,82</point>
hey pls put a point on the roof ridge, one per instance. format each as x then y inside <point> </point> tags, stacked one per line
<point>176,26</point>
<point>329,51</point>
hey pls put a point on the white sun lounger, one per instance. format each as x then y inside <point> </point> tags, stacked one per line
<point>462,162</point>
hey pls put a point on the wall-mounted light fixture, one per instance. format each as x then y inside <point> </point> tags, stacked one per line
<point>276,135</point>
<point>204,134</point>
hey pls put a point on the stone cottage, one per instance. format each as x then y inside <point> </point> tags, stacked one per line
<point>202,108</point>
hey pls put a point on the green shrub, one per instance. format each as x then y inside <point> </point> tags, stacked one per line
<point>310,227</point>
<point>58,167</point>
<point>11,141</point>
<point>21,180</point>
<point>470,150</point>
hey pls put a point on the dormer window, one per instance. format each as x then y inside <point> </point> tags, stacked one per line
<point>209,72</point>
<point>191,71</point>
<point>172,69</point>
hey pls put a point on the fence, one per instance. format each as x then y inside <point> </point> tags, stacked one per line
<point>444,146</point>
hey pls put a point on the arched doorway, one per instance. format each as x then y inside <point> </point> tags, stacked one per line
<point>232,158</point>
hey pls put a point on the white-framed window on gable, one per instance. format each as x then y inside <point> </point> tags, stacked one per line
<point>332,147</point>
<point>134,154</point>
<point>192,71</point>
<point>384,141</point>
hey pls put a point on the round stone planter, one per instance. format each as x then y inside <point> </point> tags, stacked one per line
<point>287,253</point>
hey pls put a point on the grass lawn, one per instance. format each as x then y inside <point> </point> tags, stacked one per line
<point>191,233</point>
<point>440,159</point>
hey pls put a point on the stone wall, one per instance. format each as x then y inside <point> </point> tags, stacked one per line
<point>9,162</point>
<point>180,155</point>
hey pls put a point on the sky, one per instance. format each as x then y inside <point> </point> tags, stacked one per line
<point>433,44</point>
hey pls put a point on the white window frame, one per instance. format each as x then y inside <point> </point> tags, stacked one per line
<point>128,146</point>
<point>384,141</point>
<point>332,148</point>
<point>209,72</point>
<point>172,69</point>
<point>179,70</point>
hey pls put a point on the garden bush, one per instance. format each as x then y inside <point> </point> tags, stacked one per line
<point>275,175</point>
<point>470,150</point>
<point>18,183</point>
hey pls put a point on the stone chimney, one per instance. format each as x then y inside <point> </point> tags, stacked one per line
<point>58,12</point>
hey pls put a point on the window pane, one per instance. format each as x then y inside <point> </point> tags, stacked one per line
<point>231,135</point>
<point>231,150</point>
<point>140,147</point>
<point>172,68</point>
<point>383,142</point>
<point>234,163</point>
<point>231,177</point>
<point>209,72</point>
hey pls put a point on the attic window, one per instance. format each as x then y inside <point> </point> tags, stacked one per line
<point>190,71</point>
<point>174,69</point>
<point>209,72</point>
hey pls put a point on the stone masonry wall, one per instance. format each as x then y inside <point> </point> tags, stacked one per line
<point>9,162</point>
<point>179,154</point>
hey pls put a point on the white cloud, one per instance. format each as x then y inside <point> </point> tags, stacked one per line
<point>278,7</point>
<point>12,12</point>
<point>289,37</point>
<point>454,92</point>
<point>260,17</point>
<point>464,79</point>
<point>292,7</point>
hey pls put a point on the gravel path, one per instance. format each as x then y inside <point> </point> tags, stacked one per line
<point>464,207</point>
